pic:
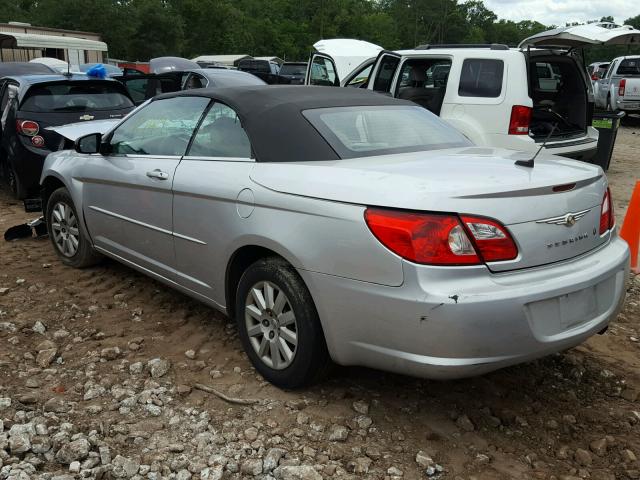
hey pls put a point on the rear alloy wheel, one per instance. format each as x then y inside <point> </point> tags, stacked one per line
<point>279,325</point>
<point>67,238</point>
<point>271,325</point>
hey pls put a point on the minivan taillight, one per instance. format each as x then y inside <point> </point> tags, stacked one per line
<point>441,239</point>
<point>520,120</point>
<point>27,127</point>
<point>607,219</point>
<point>621,87</point>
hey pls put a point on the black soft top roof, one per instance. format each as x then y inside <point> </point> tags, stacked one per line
<point>272,116</point>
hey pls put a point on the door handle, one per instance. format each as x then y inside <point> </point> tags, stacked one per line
<point>157,173</point>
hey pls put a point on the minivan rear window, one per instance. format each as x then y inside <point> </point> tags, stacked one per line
<point>481,77</point>
<point>629,67</point>
<point>83,96</point>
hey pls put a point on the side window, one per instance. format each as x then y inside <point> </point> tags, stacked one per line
<point>424,73</point>
<point>612,67</point>
<point>194,80</point>
<point>384,75</point>
<point>361,78</point>
<point>323,72</point>
<point>481,78</point>
<point>163,127</point>
<point>221,135</point>
<point>9,96</point>
<point>548,77</point>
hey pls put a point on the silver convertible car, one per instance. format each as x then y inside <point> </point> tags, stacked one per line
<point>343,225</point>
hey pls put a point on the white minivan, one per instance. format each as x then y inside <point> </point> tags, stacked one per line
<point>497,96</point>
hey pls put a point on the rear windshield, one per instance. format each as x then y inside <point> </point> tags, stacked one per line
<point>381,130</point>
<point>81,96</point>
<point>629,67</point>
<point>254,65</point>
<point>293,70</point>
<point>232,78</point>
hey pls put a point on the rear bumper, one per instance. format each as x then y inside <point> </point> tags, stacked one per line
<point>581,148</point>
<point>27,163</point>
<point>628,105</point>
<point>455,322</point>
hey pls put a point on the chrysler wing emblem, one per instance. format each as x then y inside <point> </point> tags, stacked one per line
<point>87,117</point>
<point>568,219</point>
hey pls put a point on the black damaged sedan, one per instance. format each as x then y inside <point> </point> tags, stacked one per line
<point>31,103</point>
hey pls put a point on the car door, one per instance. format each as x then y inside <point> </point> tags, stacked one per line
<point>384,71</point>
<point>127,197</point>
<point>604,85</point>
<point>322,71</point>
<point>212,197</point>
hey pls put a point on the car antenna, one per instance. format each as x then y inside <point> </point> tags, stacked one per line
<point>529,163</point>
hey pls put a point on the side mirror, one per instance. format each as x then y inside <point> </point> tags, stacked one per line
<point>89,143</point>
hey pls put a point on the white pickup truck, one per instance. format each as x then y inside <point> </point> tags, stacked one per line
<point>619,88</point>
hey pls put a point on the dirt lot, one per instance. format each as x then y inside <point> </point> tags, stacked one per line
<point>77,393</point>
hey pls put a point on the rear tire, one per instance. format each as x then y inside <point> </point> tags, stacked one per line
<point>67,237</point>
<point>15,185</point>
<point>279,325</point>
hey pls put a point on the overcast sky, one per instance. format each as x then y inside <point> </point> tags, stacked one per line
<point>559,12</point>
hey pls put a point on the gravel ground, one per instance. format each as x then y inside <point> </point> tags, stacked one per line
<point>100,375</point>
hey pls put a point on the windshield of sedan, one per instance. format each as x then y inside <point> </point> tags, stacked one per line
<point>381,130</point>
<point>83,96</point>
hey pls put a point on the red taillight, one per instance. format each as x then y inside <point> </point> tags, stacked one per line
<point>594,77</point>
<point>37,141</point>
<point>27,127</point>
<point>520,120</point>
<point>440,239</point>
<point>492,239</point>
<point>607,220</point>
<point>621,87</point>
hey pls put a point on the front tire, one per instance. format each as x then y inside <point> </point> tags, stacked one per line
<point>63,224</point>
<point>279,325</point>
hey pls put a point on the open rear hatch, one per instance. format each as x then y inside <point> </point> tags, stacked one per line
<point>334,60</point>
<point>552,210</point>
<point>558,86</point>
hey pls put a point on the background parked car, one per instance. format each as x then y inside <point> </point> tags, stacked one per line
<point>264,69</point>
<point>597,70</point>
<point>293,73</point>
<point>31,103</point>
<point>24,68</point>
<point>496,96</point>
<point>172,74</point>
<point>322,221</point>
<point>619,88</point>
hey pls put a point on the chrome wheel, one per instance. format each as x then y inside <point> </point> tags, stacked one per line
<point>271,325</point>
<point>64,226</point>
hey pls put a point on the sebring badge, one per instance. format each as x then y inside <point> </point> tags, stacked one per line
<point>568,219</point>
<point>87,117</point>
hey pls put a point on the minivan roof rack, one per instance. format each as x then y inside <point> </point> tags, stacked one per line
<point>491,46</point>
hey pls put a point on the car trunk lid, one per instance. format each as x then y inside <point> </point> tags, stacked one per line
<point>47,120</point>
<point>474,181</point>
